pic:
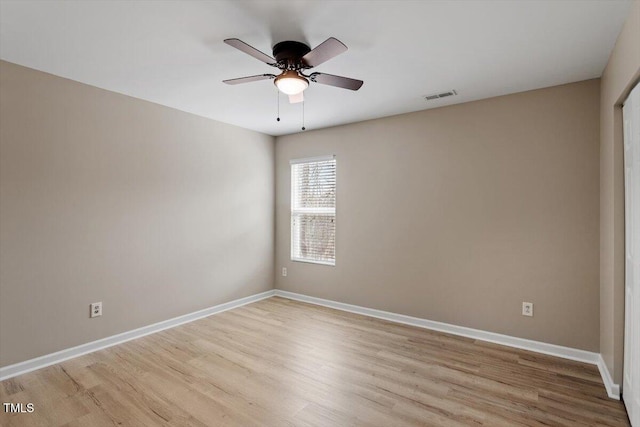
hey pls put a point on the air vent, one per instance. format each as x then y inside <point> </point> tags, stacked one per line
<point>440,95</point>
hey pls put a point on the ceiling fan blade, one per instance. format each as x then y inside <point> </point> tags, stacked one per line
<point>294,99</point>
<point>338,81</point>
<point>250,50</point>
<point>249,79</point>
<point>326,50</point>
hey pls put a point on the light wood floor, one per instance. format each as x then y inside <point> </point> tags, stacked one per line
<point>284,363</point>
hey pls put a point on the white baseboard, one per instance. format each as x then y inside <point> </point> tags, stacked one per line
<point>60,356</point>
<point>613,390</point>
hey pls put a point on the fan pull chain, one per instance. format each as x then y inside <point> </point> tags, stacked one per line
<point>303,128</point>
<point>278,103</point>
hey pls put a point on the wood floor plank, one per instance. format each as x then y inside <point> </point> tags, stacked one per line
<point>279,362</point>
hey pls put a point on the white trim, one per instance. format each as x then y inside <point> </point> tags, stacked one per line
<point>313,261</point>
<point>613,390</point>
<point>69,353</point>
<point>313,159</point>
<point>315,211</point>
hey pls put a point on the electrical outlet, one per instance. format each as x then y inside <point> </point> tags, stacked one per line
<point>284,271</point>
<point>96,309</point>
<point>527,309</point>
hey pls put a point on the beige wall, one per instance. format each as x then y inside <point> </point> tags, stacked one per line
<point>460,214</point>
<point>103,197</point>
<point>622,71</point>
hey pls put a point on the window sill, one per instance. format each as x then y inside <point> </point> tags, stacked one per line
<point>308,261</point>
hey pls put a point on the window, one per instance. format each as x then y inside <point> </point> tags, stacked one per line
<point>313,210</point>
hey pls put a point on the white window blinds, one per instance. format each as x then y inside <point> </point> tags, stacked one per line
<point>313,210</point>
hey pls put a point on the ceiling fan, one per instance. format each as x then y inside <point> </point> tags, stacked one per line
<point>293,58</point>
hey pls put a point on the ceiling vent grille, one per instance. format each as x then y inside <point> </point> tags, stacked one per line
<point>440,95</point>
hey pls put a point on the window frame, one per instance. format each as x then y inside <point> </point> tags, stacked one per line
<point>329,211</point>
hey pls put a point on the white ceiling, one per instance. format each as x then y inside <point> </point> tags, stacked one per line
<point>171,52</point>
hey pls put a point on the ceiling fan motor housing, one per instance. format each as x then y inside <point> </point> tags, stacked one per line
<point>290,52</point>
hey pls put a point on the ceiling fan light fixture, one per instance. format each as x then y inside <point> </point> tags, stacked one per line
<point>291,83</point>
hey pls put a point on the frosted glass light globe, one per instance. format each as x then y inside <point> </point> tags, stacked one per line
<point>291,83</point>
